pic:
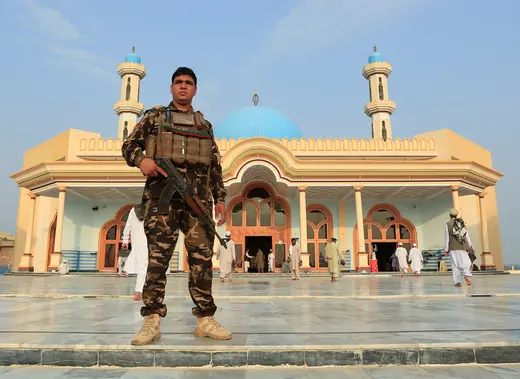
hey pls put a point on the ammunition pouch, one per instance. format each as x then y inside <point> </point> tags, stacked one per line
<point>182,137</point>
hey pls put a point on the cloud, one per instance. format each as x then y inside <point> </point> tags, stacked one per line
<point>312,25</point>
<point>61,38</point>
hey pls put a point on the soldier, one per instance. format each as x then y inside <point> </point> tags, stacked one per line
<point>183,135</point>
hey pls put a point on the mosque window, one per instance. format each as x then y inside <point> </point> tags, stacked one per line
<point>319,232</point>
<point>128,89</point>
<point>258,208</point>
<point>383,131</point>
<point>381,92</point>
<point>370,90</point>
<point>125,130</point>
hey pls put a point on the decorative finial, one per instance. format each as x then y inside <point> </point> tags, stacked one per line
<point>255,98</point>
<point>133,49</point>
<point>375,49</point>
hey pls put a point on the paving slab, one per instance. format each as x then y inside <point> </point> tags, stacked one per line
<point>275,321</point>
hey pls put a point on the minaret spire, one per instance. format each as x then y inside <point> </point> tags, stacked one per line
<point>128,108</point>
<point>379,108</point>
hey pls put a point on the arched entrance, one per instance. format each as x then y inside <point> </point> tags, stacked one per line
<point>110,239</point>
<point>258,218</point>
<point>319,231</point>
<point>384,228</point>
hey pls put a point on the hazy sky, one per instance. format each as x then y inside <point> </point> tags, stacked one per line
<point>454,66</point>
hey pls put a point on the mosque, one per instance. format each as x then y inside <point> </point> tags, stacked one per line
<point>76,190</point>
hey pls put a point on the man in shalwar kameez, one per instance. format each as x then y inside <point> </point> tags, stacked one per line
<point>333,258</point>
<point>456,244</point>
<point>225,258</point>
<point>137,261</point>
<point>295,257</point>
<point>270,261</point>
<point>416,260</point>
<point>402,257</point>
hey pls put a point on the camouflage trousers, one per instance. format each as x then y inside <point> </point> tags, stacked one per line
<point>162,232</point>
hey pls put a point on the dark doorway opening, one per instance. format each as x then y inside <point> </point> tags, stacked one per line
<point>253,244</point>
<point>384,253</point>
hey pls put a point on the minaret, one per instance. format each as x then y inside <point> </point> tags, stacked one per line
<point>380,108</point>
<point>129,108</point>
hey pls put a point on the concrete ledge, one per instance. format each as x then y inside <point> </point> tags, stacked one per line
<point>309,356</point>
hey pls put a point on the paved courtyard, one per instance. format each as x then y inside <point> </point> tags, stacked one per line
<point>359,320</point>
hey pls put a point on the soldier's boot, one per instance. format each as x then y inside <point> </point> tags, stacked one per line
<point>209,327</point>
<point>150,331</point>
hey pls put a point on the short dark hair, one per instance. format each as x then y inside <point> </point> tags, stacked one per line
<point>184,71</point>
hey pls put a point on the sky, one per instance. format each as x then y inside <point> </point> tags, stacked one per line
<point>454,65</point>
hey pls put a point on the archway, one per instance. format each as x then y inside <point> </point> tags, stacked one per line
<point>110,240</point>
<point>51,240</point>
<point>319,231</point>
<point>385,227</point>
<point>258,213</point>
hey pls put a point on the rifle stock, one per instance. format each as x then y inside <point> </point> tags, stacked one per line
<point>176,183</point>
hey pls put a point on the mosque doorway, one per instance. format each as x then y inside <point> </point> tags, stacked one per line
<point>384,252</point>
<point>254,244</point>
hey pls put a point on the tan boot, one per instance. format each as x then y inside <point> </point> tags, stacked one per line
<point>150,331</point>
<point>209,327</point>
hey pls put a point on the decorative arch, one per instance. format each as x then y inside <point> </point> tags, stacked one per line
<point>320,229</point>
<point>259,212</point>
<point>385,224</point>
<point>110,239</point>
<point>51,240</point>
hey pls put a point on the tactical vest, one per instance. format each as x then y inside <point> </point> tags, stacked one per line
<point>453,243</point>
<point>182,137</point>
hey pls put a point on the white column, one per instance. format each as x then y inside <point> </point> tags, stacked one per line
<point>455,197</point>
<point>487,261</point>
<point>56,255</point>
<point>303,227</point>
<point>362,254</point>
<point>59,219</point>
<point>26,263</point>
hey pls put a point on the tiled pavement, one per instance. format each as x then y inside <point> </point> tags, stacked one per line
<point>409,372</point>
<point>358,320</point>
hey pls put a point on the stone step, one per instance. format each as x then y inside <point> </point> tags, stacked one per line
<point>227,356</point>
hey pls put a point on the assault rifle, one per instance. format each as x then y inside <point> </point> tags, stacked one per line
<point>175,183</point>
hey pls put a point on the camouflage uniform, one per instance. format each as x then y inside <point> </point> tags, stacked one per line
<point>162,231</point>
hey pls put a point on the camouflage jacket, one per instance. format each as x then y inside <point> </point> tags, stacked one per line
<point>133,150</point>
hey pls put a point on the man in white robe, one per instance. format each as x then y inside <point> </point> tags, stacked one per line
<point>416,260</point>
<point>225,257</point>
<point>137,261</point>
<point>402,257</point>
<point>295,257</point>
<point>457,243</point>
<point>333,259</point>
<point>270,261</point>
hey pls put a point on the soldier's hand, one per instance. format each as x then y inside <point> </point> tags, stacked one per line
<point>220,210</point>
<point>149,168</point>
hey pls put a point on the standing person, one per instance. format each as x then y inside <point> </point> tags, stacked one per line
<point>260,262</point>
<point>456,244</point>
<point>183,135</point>
<point>333,258</point>
<point>295,257</point>
<point>225,257</point>
<point>270,261</point>
<point>416,260</point>
<point>402,257</point>
<point>137,262</point>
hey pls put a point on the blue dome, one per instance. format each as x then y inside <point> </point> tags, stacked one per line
<point>375,57</point>
<point>256,121</point>
<point>133,57</point>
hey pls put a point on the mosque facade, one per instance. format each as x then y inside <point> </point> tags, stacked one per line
<point>370,194</point>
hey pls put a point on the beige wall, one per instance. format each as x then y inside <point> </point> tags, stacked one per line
<point>452,145</point>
